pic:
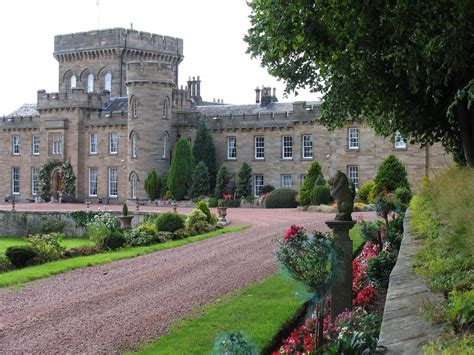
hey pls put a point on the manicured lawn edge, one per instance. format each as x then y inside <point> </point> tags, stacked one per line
<point>31,273</point>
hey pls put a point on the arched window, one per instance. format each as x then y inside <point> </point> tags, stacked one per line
<point>134,107</point>
<point>73,81</point>
<point>90,83</point>
<point>133,185</point>
<point>133,143</point>
<point>165,108</point>
<point>164,153</point>
<point>108,82</point>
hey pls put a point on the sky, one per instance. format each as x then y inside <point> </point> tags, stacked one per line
<point>212,31</point>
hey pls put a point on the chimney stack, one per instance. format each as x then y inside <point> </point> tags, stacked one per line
<point>257,95</point>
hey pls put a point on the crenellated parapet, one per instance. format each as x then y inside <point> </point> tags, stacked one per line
<point>77,98</point>
<point>154,72</point>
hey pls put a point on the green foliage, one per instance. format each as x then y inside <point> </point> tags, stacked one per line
<point>305,192</point>
<point>20,256</point>
<point>228,203</point>
<point>169,222</point>
<point>391,175</point>
<point>402,196</point>
<point>196,223</point>
<point>281,198</point>
<point>462,309</point>
<point>51,225</point>
<point>81,218</point>
<point>222,182</point>
<point>212,202</point>
<point>267,189</point>
<point>423,88</point>
<point>205,151</point>
<point>448,345</point>
<point>370,231</point>
<point>321,195</point>
<point>365,190</point>
<point>321,181</point>
<point>100,227</point>
<point>152,185</point>
<point>66,172</point>
<point>181,170</point>
<point>163,184</point>
<point>125,210</point>
<point>47,246</point>
<point>201,205</point>
<point>380,267</point>
<point>114,240</point>
<point>244,181</point>
<point>384,205</point>
<point>235,343</point>
<point>143,234</point>
<point>200,185</point>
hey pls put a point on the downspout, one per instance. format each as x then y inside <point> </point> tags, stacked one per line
<point>122,63</point>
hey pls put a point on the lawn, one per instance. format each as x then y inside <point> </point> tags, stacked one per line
<point>56,267</point>
<point>6,242</point>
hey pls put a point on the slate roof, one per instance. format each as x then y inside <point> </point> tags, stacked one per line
<point>26,110</point>
<point>116,104</point>
<point>226,110</point>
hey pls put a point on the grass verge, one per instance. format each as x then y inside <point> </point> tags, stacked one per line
<point>356,237</point>
<point>56,267</point>
<point>69,243</point>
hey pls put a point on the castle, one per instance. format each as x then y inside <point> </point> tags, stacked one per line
<point>119,111</point>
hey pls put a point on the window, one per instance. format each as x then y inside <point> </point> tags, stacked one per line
<point>287,147</point>
<point>90,83</point>
<point>353,175</point>
<point>133,138</point>
<point>108,82</point>
<point>259,147</point>
<point>35,145</point>
<point>57,148</point>
<point>286,181</point>
<point>92,181</point>
<point>134,106</point>
<point>73,81</point>
<point>133,186</point>
<point>399,141</point>
<point>16,145</point>
<point>113,182</point>
<point>165,108</point>
<point>353,138</point>
<point>113,143</point>
<point>16,181</point>
<point>164,152</point>
<point>34,181</point>
<point>307,144</point>
<point>231,148</point>
<point>257,185</point>
<point>302,177</point>
<point>93,143</point>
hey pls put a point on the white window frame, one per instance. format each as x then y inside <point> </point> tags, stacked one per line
<point>353,175</point>
<point>307,146</point>
<point>258,182</point>
<point>113,142</point>
<point>15,181</point>
<point>93,144</point>
<point>287,147</point>
<point>113,182</point>
<point>259,147</point>
<point>93,173</point>
<point>399,143</point>
<point>353,138</point>
<point>108,82</point>
<point>34,181</point>
<point>57,145</point>
<point>16,145</point>
<point>133,186</point>
<point>231,148</point>
<point>90,83</point>
<point>287,181</point>
<point>35,144</point>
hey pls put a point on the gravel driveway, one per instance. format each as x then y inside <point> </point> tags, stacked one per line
<point>115,307</point>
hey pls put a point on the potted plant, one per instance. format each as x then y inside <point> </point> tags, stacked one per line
<point>125,219</point>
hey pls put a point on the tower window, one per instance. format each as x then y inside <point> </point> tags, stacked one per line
<point>90,83</point>
<point>73,81</point>
<point>57,145</point>
<point>133,138</point>
<point>134,107</point>
<point>164,152</point>
<point>133,186</point>
<point>165,108</point>
<point>108,82</point>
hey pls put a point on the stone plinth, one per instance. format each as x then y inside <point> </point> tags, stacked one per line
<point>341,292</point>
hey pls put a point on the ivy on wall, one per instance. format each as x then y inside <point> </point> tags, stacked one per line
<point>65,171</point>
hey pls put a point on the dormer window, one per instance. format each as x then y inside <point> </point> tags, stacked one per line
<point>90,83</point>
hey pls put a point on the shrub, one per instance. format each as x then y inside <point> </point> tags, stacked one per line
<point>384,205</point>
<point>234,342</point>
<point>212,202</point>
<point>181,170</point>
<point>267,189</point>
<point>200,185</point>
<point>196,223</point>
<point>305,192</point>
<point>380,267</point>
<point>100,227</point>
<point>320,181</point>
<point>244,181</point>
<point>125,209</point>
<point>114,240</point>
<point>152,185</point>
<point>321,195</point>
<point>402,197</point>
<point>394,237</point>
<point>230,203</point>
<point>211,219</point>
<point>222,182</point>
<point>51,225</point>
<point>204,150</point>
<point>391,175</point>
<point>365,190</point>
<point>370,231</point>
<point>47,246</point>
<point>143,234</point>
<point>20,256</point>
<point>281,198</point>
<point>169,222</point>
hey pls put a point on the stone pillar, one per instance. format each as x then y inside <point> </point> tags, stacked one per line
<point>341,292</point>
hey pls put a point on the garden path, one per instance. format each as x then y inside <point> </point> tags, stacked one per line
<point>114,307</point>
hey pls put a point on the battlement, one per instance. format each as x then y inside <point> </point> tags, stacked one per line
<point>150,71</point>
<point>117,37</point>
<point>75,99</point>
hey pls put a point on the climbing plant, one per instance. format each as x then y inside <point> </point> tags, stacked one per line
<point>66,172</point>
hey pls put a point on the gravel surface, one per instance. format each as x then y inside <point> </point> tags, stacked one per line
<point>115,307</point>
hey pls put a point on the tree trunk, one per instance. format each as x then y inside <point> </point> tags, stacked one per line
<point>465,119</point>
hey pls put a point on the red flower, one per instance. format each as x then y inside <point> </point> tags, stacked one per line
<point>293,233</point>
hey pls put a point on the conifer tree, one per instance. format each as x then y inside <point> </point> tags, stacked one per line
<point>244,181</point>
<point>181,170</point>
<point>152,185</point>
<point>222,182</point>
<point>200,181</point>
<point>313,173</point>
<point>391,175</point>
<point>205,151</point>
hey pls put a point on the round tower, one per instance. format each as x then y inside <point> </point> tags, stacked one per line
<point>149,90</point>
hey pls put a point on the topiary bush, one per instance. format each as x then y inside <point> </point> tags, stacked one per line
<point>20,256</point>
<point>380,267</point>
<point>201,205</point>
<point>267,189</point>
<point>196,223</point>
<point>365,190</point>
<point>321,195</point>
<point>391,175</point>
<point>114,240</point>
<point>305,192</point>
<point>169,222</point>
<point>282,198</point>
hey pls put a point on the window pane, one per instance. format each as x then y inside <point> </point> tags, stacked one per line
<point>307,146</point>
<point>353,175</point>
<point>90,83</point>
<point>15,180</point>
<point>36,145</point>
<point>93,143</point>
<point>108,82</point>
<point>92,181</point>
<point>113,188</point>
<point>16,145</point>
<point>259,147</point>
<point>113,143</point>
<point>286,181</point>
<point>287,147</point>
<point>231,147</point>
<point>399,141</point>
<point>353,138</point>
<point>257,185</point>
<point>34,181</point>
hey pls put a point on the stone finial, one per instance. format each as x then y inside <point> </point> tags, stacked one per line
<point>342,192</point>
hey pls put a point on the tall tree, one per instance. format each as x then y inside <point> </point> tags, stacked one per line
<point>244,181</point>
<point>205,151</point>
<point>314,172</point>
<point>200,181</point>
<point>222,182</point>
<point>404,66</point>
<point>181,169</point>
<point>152,185</point>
